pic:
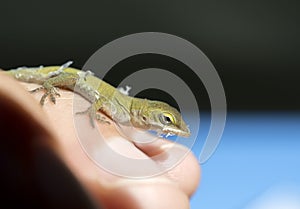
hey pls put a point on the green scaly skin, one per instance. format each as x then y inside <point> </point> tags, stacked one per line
<point>126,110</point>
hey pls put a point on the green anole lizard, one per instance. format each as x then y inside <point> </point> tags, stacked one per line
<point>123,109</point>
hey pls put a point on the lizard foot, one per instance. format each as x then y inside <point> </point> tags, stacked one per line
<point>51,92</point>
<point>93,115</point>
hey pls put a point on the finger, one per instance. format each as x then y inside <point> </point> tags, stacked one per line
<point>184,170</point>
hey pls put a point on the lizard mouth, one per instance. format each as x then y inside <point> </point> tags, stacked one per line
<point>175,131</point>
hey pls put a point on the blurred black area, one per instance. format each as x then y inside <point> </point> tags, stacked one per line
<point>254,45</point>
<point>32,173</point>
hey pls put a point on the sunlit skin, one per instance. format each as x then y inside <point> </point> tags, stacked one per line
<point>170,190</point>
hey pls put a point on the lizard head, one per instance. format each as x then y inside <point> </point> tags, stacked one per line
<point>162,118</point>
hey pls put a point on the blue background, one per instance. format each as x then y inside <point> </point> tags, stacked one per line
<point>257,151</point>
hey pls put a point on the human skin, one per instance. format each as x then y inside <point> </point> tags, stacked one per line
<point>169,190</point>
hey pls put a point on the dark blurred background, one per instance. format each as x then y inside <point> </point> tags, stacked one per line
<point>254,45</point>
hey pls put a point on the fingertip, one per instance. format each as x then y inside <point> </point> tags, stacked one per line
<point>182,167</point>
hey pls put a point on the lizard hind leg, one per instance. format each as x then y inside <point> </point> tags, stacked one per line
<point>63,80</point>
<point>50,91</point>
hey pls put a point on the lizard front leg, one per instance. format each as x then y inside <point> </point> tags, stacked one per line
<point>93,114</point>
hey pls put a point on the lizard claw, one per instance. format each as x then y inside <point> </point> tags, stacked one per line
<point>102,119</point>
<point>51,92</point>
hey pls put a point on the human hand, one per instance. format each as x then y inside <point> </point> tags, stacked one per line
<point>51,127</point>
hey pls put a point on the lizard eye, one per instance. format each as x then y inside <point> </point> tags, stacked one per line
<point>167,119</point>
